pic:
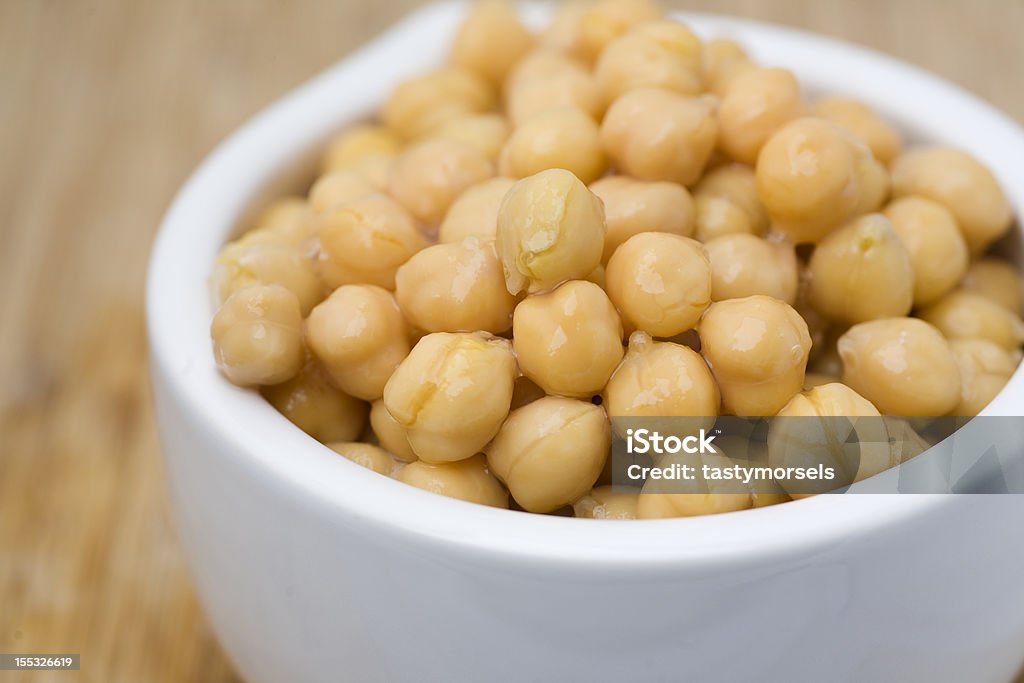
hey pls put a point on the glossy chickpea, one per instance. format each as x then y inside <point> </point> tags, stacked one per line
<point>467,480</point>
<point>959,182</point>
<point>551,81</point>
<point>455,288</point>
<point>660,282</point>
<point>756,104</point>
<point>744,265</point>
<point>486,132</point>
<point>338,187</point>
<point>902,365</point>
<point>565,138</point>
<point>737,184</point>
<point>367,455</point>
<point>985,368</point>
<point>635,206</point>
<point>243,264</point>
<point>568,340</point>
<point>550,229</point>
<point>353,146</point>
<point>452,393</point>
<point>661,54</point>
<point>937,251</point>
<point>490,40</point>
<point>284,223</point>
<point>654,134</point>
<point>390,433</point>
<point>310,402</point>
<point>996,280</point>
<point>257,336</point>
<point>881,138</point>
<point>862,271</point>
<point>550,452</point>
<point>963,315</point>
<point>430,174</point>
<point>723,59</point>
<point>359,337</point>
<point>757,349</point>
<point>474,213</point>
<point>420,104</point>
<point>661,498</point>
<point>605,503</point>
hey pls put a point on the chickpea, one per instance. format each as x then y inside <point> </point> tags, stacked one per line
<point>474,213</point>
<point>882,139</point>
<point>757,349</point>
<point>390,433</point>
<point>938,253</point>
<point>654,134</point>
<point>662,498</point>
<point>756,104</point>
<point>365,240</point>
<point>660,282</point>
<point>568,340</point>
<point>544,82</point>
<point>486,132</point>
<point>367,455</point>
<point>902,365</point>
<point>550,229</point>
<point>284,223</point>
<point>959,182</point>
<point>718,217</point>
<point>985,368</point>
<point>455,288</point>
<point>452,393</point>
<point>661,54</point>
<point>635,206</point>
<point>257,335</point>
<point>357,144</point>
<point>744,265</point>
<point>550,452</point>
<point>962,314</point>
<point>430,174</point>
<point>861,272</point>
<point>995,280</point>
<point>359,337</point>
<point>564,138</point>
<point>737,184</point>
<point>468,480</point>
<point>539,63</point>
<point>336,188</point>
<point>242,264</point>
<point>604,503</point>
<point>584,29</point>
<point>420,104</point>
<point>722,61</point>
<point>310,402</point>
<point>490,40</point>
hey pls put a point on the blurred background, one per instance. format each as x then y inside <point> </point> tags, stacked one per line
<point>105,108</point>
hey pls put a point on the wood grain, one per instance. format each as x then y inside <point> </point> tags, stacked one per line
<point>104,109</point>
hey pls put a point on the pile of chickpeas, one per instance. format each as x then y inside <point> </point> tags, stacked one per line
<point>612,217</point>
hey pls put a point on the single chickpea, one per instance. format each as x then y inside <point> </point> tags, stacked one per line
<point>474,213</point>
<point>882,139</point>
<point>539,63</point>
<point>757,349</point>
<point>365,240</point>
<point>430,174</point>
<point>420,104</point>
<point>358,143</point>
<point>568,340</point>
<point>486,132</point>
<point>555,138</point>
<point>546,82</point>
<point>654,134</point>
<point>737,184</point>
<point>663,498</point>
<point>744,265</point>
<point>962,315</point>
<point>718,217</point>
<point>390,433</point>
<point>996,280</point>
<point>660,282</point>
<point>605,503</point>
<point>985,368</point>
<point>938,253</point>
<point>872,178</point>
<point>959,182</point>
<point>367,455</point>
<point>861,272</point>
<point>257,336</point>
<point>455,288</point>
<point>550,452</point>
<point>756,104</point>
<point>661,54</point>
<point>359,337</point>
<point>283,223</point>
<point>338,187</point>
<point>550,229</point>
<point>468,480</point>
<point>490,40</point>
<point>310,402</point>
<point>902,365</point>
<point>723,60</point>
<point>242,264</point>
<point>635,206</point>
<point>452,393</point>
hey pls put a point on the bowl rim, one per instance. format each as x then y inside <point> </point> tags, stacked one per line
<point>224,186</point>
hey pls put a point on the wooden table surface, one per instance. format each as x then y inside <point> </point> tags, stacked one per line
<point>105,107</point>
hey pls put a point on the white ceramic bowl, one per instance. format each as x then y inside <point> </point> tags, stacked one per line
<point>314,569</point>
